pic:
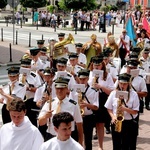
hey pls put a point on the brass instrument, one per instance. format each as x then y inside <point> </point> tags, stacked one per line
<point>80,99</point>
<point>141,44</point>
<point>120,116</point>
<point>59,47</point>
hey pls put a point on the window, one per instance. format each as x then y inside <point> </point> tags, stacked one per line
<point>148,3</point>
<point>136,2</point>
<point>142,3</point>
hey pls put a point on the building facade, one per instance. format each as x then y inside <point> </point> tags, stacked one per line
<point>144,3</point>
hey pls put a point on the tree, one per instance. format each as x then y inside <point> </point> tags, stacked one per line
<point>78,4</point>
<point>3,3</point>
<point>33,3</point>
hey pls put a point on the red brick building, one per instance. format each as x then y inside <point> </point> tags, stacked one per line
<point>144,3</point>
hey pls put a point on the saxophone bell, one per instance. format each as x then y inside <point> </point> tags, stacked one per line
<point>80,100</point>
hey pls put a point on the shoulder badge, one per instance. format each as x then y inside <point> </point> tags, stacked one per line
<point>72,101</point>
<point>20,84</point>
<point>141,68</point>
<point>32,74</point>
<point>94,89</point>
<point>141,76</point>
<point>113,66</point>
<point>68,75</point>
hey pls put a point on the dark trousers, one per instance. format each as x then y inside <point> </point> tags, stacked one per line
<point>147,98</point>
<point>87,25</point>
<point>43,129</point>
<point>82,25</point>
<point>126,139</point>
<point>74,134</point>
<point>88,125</point>
<point>5,115</point>
<point>32,114</point>
<point>122,54</point>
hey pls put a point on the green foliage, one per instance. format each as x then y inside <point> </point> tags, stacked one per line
<point>62,5</point>
<point>3,3</point>
<point>113,7</point>
<point>51,8</point>
<point>105,8</point>
<point>33,3</point>
<point>78,4</point>
<point>138,7</point>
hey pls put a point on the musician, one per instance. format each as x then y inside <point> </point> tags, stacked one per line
<point>113,45</point>
<point>36,63</point>
<point>104,85</point>
<point>124,46</point>
<point>90,103</point>
<point>73,60</point>
<point>145,62</point>
<point>20,133</point>
<point>32,81</point>
<point>61,36</point>
<point>143,39</point>
<point>91,48</point>
<point>44,93</point>
<point>126,139</point>
<point>61,103</point>
<point>45,59</point>
<point>82,60</point>
<point>63,141</point>
<point>13,89</point>
<point>40,43</point>
<point>61,65</point>
<point>110,67</point>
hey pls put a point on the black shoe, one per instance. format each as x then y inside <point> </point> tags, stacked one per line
<point>107,131</point>
<point>147,107</point>
<point>95,137</point>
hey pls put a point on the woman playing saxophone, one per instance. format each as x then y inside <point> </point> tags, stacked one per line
<point>125,137</point>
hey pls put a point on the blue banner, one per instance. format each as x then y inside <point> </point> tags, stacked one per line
<point>130,31</point>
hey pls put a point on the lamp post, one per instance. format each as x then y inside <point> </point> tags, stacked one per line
<point>13,21</point>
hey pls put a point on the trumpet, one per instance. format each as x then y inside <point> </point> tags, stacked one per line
<point>120,116</point>
<point>80,99</point>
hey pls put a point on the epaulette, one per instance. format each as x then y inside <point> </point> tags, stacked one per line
<point>113,66</point>
<point>141,76</point>
<point>142,60</point>
<point>68,75</point>
<point>32,74</point>
<point>40,85</point>
<point>72,101</point>
<point>141,68</point>
<point>79,67</point>
<point>21,84</point>
<point>94,89</point>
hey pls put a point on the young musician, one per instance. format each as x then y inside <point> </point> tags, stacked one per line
<point>124,137</point>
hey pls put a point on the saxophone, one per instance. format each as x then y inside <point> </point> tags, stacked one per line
<point>80,99</point>
<point>120,116</point>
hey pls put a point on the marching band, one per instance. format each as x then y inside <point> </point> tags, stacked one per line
<point>48,75</point>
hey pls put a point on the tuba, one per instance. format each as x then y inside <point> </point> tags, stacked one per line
<point>120,116</point>
<point>80,99</point>
<point>59,47</point>
<point>141,44</point>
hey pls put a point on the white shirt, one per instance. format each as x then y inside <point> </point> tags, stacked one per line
<point>24,137</point>
<point>32,79</point>
<point>133,103</point>
<point>109,83</point>
<point>19,90</point>
<point>92,96</point>
<point>68,106</point>
<point>70,83</point>
<point>56,144</point>
<point>82,59</point>
<point>127,40</point>
<point>112,70</point>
